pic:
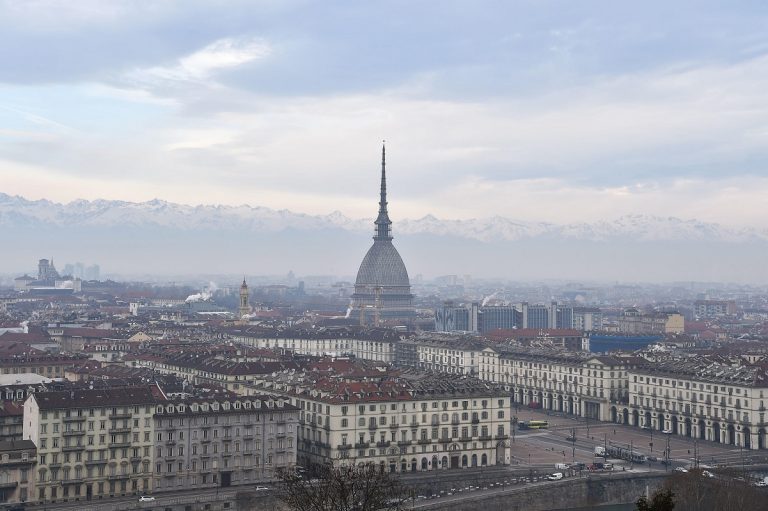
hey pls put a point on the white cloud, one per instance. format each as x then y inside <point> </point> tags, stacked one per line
<point>203,64</point>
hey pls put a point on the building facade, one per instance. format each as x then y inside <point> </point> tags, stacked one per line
<point>207,443</point>
<point>92,444</point>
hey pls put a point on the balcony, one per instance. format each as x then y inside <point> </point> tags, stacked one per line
<point>116,445</point>
<point>502,437</point>
<point>73,433</point>
<point>394,425</point>
<point>424,441</point>
<point>455,422</point>
<point>113,477</point>
<point>362,445</point>
<point>120,430</point>
<point>475,421</point>
<point>96,462</point>
<point>344,446</point>
<point>75,419</point>
<point>373,426</point>
<point>445,440</point>
<point>404,443</point>
<point>485,438</point>
<point>72,448</point>
<point>385,443</point>
<point>120,416</point>
<point>414,424</point>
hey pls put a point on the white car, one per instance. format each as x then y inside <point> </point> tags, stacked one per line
<point>667,431</point>
<point>681,469</point>
<point>146,498</point>
<point>707,473</point>
<point>555,476</point>
<point>261,488</point>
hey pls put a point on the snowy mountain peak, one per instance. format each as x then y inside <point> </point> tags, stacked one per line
<point>20,212</point>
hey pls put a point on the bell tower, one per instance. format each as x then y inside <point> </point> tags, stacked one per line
<point>244,307</point>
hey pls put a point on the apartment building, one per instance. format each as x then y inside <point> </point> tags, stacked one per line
<point>445,354</point>
<point>633,321</point>
<point>700,399</point>
<point>414,421</point>
<point>377,344</point>
<point>211,370</point>
<point>575,383</point>
<point>92,444</point>
<point>223,441</point>
<point>17,461</point>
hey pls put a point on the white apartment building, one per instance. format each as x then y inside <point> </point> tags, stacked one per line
<point>700,399</point>
<point>417,421</point>
<point>370,344</point>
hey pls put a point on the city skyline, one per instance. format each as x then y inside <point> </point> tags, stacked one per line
<point>529,112</point>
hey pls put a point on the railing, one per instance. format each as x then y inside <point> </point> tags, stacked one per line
<point>344,446</point>
<point>403,443</point>
<point>362,445</point>
<point>73,433</point>
<point>372,426</point>
<point>485,438</point>
<point>414,424</point>
<point>120,416</point>
<point>75,418</point>
<point>394,425</point>
<point>385,443</point>
<point>424,441</point>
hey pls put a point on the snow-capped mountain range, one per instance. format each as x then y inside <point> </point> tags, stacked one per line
<point>17,212</point>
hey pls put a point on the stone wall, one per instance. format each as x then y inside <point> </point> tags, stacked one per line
<point>565,494</point>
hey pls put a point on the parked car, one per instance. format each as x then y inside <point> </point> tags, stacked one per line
<point>146,498</point>
<point>681,469</point>
<point>667,431</point>
<point>570,438</point>
<point>261,488</point>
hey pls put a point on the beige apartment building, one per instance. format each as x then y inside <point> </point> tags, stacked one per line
<point>417,421</point>
<point>92,444</point>
<point>633,321</point>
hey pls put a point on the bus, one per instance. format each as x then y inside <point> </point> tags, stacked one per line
<point>533,425</point>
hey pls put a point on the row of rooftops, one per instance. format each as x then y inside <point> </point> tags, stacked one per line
<point>407,385</point>
<point>705,370</point>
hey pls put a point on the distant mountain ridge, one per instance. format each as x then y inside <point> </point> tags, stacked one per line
<point>19,212</point>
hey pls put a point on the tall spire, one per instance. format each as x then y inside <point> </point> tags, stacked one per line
<point>383,223</point>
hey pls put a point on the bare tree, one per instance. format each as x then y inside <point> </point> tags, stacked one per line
<point>355,488</point>
<point>700,490</point>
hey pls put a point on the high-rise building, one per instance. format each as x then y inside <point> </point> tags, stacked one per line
<point>382,290</point>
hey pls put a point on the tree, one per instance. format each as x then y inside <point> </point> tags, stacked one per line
<point>662,500</point>
<point>354,488</point>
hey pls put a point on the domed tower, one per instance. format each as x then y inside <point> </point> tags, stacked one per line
<point>382,290</point>
<point>244,308</point>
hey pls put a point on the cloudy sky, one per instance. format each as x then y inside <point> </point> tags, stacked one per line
<point>536,110</point>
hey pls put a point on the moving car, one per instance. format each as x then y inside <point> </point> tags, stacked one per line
<point>146,498</point>
<point>261,488</point>
<point>681,469</point>
<point>556,476</point>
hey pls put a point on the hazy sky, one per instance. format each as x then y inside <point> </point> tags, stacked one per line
<point>538,110</point>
